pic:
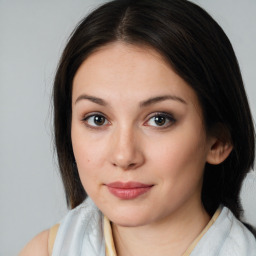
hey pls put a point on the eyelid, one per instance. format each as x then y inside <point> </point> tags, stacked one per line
<point>85,116</point>
<point>91,114</point>
<point>164,114</point>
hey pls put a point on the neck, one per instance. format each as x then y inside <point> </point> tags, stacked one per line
<point>170,236</point>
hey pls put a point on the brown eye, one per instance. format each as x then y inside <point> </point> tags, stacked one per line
<point>99,120</point>
<point>161,120</point>
<point>96,120</point>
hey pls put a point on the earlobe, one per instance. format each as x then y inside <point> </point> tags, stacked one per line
<point>218,152</point>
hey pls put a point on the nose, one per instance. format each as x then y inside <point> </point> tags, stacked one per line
<point>127,152</point>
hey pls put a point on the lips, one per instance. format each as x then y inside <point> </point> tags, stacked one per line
<point>128,190</point>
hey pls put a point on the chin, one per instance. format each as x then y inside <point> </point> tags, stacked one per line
<point>129,217</point>
<point>128,222</point>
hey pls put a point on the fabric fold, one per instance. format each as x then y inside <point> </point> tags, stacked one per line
<point>81,232</point>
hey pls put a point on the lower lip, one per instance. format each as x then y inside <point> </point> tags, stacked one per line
<point>128,193</point>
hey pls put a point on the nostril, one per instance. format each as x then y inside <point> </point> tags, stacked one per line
<point>125,167</point>
<point>131,165</point>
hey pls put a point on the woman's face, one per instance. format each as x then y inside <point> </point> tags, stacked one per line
<point>138,136</point>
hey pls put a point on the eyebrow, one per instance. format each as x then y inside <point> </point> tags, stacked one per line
<point>92,99</point>
<point>142,104</point>
<point>157,99</point>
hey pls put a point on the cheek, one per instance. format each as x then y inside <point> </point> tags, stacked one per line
<point>85,146</point>
<point>180,154</point>
<point>88,158</point>
<point>88,155</point>
<point>178,167</point>
<point>88,164</point>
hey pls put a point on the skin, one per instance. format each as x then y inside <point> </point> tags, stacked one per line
<point>129,88</point>
<point>116,83</point>
<point>37,246</point>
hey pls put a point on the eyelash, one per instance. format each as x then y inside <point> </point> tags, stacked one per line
<point>167,117</point>
<point>86,118</point>
<point>164,115</point>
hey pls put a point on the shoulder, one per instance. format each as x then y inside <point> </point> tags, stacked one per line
<point>226,237</point>
<point>38,246</point>
<point>239,239</point>
<point>81,230</point>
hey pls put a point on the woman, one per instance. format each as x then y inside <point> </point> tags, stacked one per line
<point>153,124</point>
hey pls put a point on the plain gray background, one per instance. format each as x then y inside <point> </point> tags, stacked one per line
<point>32,36</point>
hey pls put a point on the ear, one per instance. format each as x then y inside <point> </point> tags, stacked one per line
<point>219,151</point>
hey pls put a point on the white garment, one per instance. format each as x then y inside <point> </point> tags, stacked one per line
<point>81,234</point>
<point>226,237</point>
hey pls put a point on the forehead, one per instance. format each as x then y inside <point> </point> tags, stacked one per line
<point>118,56</point>
<point>129,71</point>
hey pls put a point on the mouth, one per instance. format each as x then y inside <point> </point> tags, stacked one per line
<point>128,190</point>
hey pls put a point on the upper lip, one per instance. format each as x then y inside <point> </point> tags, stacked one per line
<point>128,185</point>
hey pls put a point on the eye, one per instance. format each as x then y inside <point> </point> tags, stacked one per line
<point>161,120</point>
<point>96,120</point>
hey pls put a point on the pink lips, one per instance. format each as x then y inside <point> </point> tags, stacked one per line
<point>128,190</point>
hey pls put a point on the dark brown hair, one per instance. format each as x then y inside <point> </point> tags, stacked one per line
<point>199,51</point>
